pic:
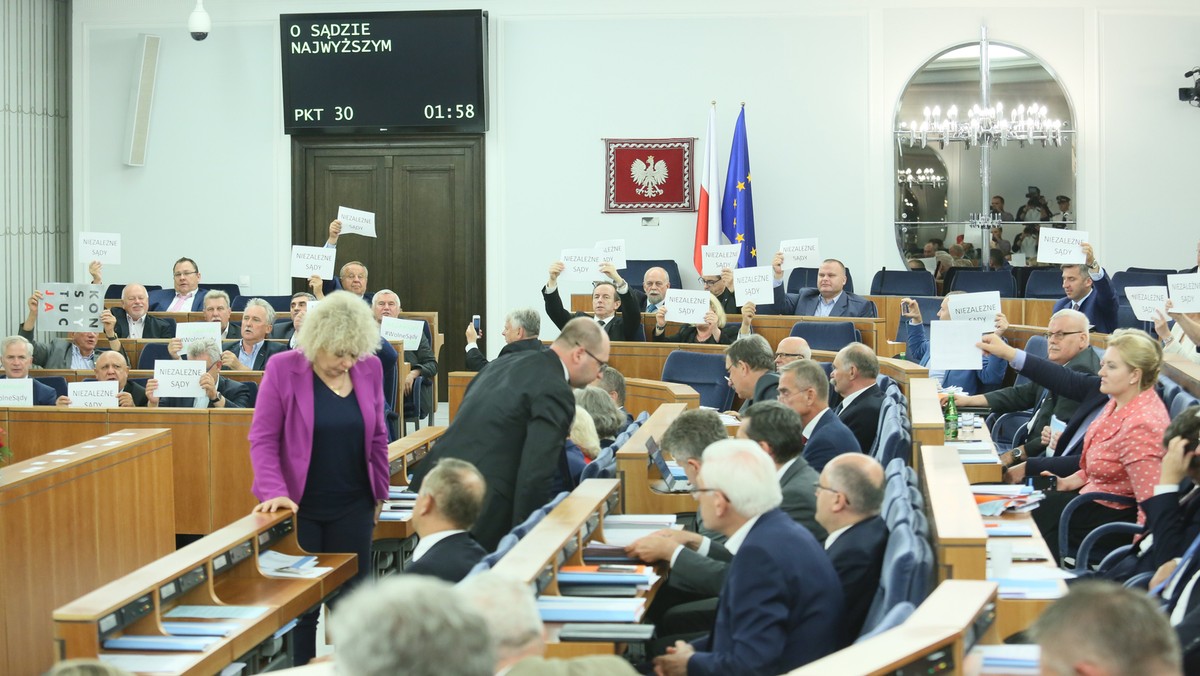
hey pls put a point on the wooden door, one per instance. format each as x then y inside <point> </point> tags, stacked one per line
<point>427,193</point>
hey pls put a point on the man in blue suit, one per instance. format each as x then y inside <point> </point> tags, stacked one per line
<point>804,387</point>
<point>781,604</point>
<point>1090,291</point>
<point>986,379</point>
<point>829,299</point>
<point>186,295</point>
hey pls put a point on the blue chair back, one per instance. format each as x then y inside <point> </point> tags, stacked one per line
<point>1182,402</point>
<point>1155,271</point>
<point>893,618</point>
<point>113,292</point>
<point>903,283</point>
<point>831,336</point>
<point>973,281</point>
<point>279,303</point>
<point>1127,319</point>
<point>929,308</point>
<point>1168,389</point>
<point>522,529</point>
<point>907,566</point>
<point>807,277</point>
<point>1122,280</point>
<point>232,289</point>
<point>635,272</point>
<point>549,506</point>
<point>59,383</point>
<point>1037,347</point>
<point>503,547</point>
<point>150,352</point>
<point>603,467</point>
<point>1044,283</point>
<point>704,373</point>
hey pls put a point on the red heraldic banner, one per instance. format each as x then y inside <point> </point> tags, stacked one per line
<point>648,175</point>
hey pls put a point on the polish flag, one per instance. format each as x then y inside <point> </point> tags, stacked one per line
<point>708,213</point>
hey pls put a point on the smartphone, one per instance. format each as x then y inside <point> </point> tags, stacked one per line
<point>1044,483</point>
<point>475,321</point>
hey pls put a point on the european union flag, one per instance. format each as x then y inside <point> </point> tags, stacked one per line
<point>737,209</point>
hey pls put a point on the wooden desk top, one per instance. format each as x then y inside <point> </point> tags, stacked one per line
<point>954,515</point>
<point>1183,371</point>
<point>17,477</point>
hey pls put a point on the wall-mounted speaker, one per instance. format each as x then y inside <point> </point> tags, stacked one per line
<point>141,100</point>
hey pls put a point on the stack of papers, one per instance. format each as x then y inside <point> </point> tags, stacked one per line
<point>151,664</point>
<point>1015,659</point>
<point>604,575</point>
<point>400,493</point>
<point>275,564</point>
<point>1020,588</point>
<point>600,552</point>
<point>994,500</point>
<point>586,609</point>
<point>395,515</point>
<point>216,612</point>
<point>200,628</point>
<point>1006,529</point>
<point>166,643</point>
<point>624,529</point>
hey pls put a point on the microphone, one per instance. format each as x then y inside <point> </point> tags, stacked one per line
<point>1194,71</point>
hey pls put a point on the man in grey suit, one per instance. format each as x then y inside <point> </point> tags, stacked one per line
<point>77,351</point>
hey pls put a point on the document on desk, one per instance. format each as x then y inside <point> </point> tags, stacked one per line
<point>216,612</point>
<point>1015,659</point>
<point>200,628</point>
<point>587,609</point>
<point>978,458</point>
<point>150,664</point>
<point>600,552</point>
<point>604,575</point>
<point>395,515</point>
<point>1028,589</point>
<point>1003,529</point>
<point>276,564</point>
<point>400,493</point>
<point>165,643</point>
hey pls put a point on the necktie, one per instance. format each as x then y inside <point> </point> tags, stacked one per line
<point>803,439</point>
<point>600,322</point>
<point>177,306</point>
<point>1074,305</point>
<point>838,411</point>
<point>652,307</point>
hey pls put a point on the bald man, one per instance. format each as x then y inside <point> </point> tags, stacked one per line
<point>790,349</point>
<point>111,366</point>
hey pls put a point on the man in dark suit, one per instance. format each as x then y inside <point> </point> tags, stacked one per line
<point>607,297</point>
<point>132,320</point>
<point>849,496</point>
<point>1090,291</point>
<point>781,604</point>
<point>186,295</point>
<point>450,500</point>
<point>521,329</point>
<point>252,351</point>
<point>855,369</point>
<point>17,353</point>
<point>513,421</point>
<point>805,389</point>
<point>829,299</point>
<point>1068,345</point>
<point>111,366</point>
<point>421,361</point>
<point>352,276</point>
<point>287,329</point>
<point>218,392</point>
<point>750,366</point>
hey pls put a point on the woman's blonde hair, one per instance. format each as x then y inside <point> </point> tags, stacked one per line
<point>1139,351</point>
<point>340,324</point>
<point>583,433</point>
<point>715,306</point>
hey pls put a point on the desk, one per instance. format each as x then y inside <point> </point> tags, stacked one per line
<point>985,473</point>
<point>925,411</point>
<point>1014,615</point>
<point>956,616</point>
<point>1183,371</point>
<point>402,455</point>
<point>637,497</point>
<point>218,569</point>
<point>71,523</point>
<point>535,559</point>
<point>959,539</point>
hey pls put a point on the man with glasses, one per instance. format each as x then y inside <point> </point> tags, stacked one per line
<point>790,349</point>
<point>513,423</point>
<point>218,392</point>
<point>1067,344</point>
<point>186,295</point>
<point>781,604</point>
<point>849,496</point>
<point>804,387</point>
<point>607,297</point>
<point>721,286</point>
<point>1090,291</point>
<point>750,370</point>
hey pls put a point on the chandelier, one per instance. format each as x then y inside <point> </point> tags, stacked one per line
<point>922,178</point>
<point>984,127</point>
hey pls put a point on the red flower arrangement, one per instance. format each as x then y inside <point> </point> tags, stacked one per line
<point>5,454</point>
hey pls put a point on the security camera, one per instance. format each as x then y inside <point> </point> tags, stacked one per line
<point>1191,95</point>
<point>199,23</point>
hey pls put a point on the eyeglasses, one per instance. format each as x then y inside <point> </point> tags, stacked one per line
<point>832,490</point>
<point>710,282</point>
<point>184,273</point>
<point>603,364</point>
<point>697,491</point>
<point>781,355</point>
<point>1059,335</point>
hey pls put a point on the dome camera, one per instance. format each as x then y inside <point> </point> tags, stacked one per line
<point>199,23</point>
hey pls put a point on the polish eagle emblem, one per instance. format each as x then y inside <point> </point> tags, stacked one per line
<point>649,175</point>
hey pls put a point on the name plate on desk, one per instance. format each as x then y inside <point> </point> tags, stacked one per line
<point>16,392</point>
<point>93,395</point>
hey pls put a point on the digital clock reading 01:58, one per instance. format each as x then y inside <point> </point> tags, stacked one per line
<point>459,111</point>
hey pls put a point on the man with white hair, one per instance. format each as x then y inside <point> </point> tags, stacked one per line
<point>17,355</point>
<point>518,635</point>
<point>521,329</point>
<point>132,320</point>
<point>218,392</point>
<point>252,351</point>
<point>412,625</point>
<point>655,284</point>
<point>421,361</point>
<point>781,604</point>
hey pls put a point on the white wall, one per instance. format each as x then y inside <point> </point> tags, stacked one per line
<point>820,84</point>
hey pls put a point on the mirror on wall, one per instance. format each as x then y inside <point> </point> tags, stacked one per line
<point>940,186</point>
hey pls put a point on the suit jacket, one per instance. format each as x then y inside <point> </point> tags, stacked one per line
<point>687,334</point>
<point>780,606</point>
<point>830,438</point>
<point>766,388</point>
<point>139,393</point>
<point>264,353</point>
<point>986,379</point>
<point>423,358</point>
<point>1084,388</point>
<point>1173,524</point>
<point>154,327</point>
<point>57,353</point>
<point>511,426</point>
<point>233,331</point>
<point>161,300</point>
<point>335,284</point>
<point>450,559</point>
<point>1029,395</point>
<point>1100,307</point>
<point>862,416</point>
<point>623,326</point>
<point>591,665</point>
<point>699,574</point>
<point>857,556</point>
<point>728,301</point>
<point>43,395</point>
<point>476,361</point>
<point>281,433</point>
<point>805,304</point>
<point>284,329</point>
<point>237,395</point>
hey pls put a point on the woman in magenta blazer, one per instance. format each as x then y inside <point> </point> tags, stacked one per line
<point>318,441</point>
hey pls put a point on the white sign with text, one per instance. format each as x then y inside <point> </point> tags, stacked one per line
<point>100,246</point>
<point>801,253</point>
<point>1185,292</point>
<point>71,307</point>
<point>16,392</point>
<point>582,265</point>
<point>313,260</point>
<point>754,285</point>
<point>407,330</point>
<point>613,251</point>
<point>716,257</point>
<point>687,306</point>
<point>1146,299</point>
<point>1061,247</point>
<point>981,307</point>
<point>178,378</point>
<point>952,345</point>
<point>190,332</point>
<point>93,394</point>
<point>356,222</point>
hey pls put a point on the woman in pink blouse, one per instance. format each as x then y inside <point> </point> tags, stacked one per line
<point>1122,448</point>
